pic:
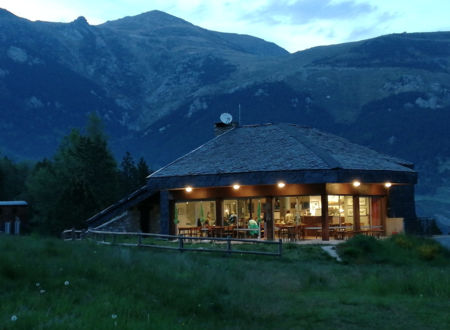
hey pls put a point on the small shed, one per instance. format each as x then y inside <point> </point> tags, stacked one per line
<point>13,216</point>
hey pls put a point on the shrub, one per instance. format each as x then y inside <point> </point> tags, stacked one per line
<point>398,249</point>
<point>361,249</point>
<point>402,241</point>
<point>429,251</point>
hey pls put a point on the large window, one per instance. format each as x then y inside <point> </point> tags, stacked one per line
<point>196,213</point>
<point>307,211</point>
<point>239,211</point>
<point>340,210</point>
<point>297,209</point>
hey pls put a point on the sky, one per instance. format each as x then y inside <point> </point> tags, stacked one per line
<point>292,24</point>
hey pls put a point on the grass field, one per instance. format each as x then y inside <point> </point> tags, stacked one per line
<point>400,283</point>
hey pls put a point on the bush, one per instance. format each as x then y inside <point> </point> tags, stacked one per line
<point>398,249</point>
<point>361,249</point>
<point>429,251</point>
<point>402,241</point>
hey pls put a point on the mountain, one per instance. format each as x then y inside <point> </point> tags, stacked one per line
<point>160,83</point>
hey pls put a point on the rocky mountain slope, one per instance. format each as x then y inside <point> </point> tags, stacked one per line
<point>160,83</point>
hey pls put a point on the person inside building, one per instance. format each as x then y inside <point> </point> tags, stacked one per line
<point>252,224</point>
<point>232,219</point>
<point>289,219</point>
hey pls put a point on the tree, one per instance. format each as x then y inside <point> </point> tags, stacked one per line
<point>12,179</point>
<point>133,177</point>
<point>128,172</point>
<point>80,180</point>
<point>143,171</point>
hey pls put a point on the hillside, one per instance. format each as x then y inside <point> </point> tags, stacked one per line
<point>160,83</point>
<point>51,284</point>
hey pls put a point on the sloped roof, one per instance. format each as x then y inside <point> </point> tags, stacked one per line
<point>278,147</point>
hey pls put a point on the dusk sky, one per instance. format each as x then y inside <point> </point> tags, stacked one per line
<point>292,24</point>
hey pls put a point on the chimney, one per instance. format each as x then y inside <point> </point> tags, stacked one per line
<point>220,128</point>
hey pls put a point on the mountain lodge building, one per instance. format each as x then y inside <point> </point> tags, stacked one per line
<point>294,181</point>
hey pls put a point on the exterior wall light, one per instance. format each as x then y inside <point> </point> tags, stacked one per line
<point>356,183</point>
<point>236,187</point>
<point>388,185</point>
<point>188,189</point>
<point>281,184</point>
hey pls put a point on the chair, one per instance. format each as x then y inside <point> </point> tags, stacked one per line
<point>300,232</point>
<point>229,231</point>
<point>291,233</point>
<point>283,233</point>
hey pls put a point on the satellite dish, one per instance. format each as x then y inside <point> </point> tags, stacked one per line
<point>226,118</point>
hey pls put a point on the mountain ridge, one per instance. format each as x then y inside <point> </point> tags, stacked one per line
<point>160,90</point>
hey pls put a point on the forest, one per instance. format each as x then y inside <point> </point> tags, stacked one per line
<point>81,179</point>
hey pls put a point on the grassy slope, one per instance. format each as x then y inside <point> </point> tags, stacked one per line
<point>150,289</point>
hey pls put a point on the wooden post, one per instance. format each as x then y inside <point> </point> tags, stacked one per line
<point>73,234</point>
<point>356,217</point>
<point>219,213</point>
<point>180,244</point>
<point>280,247</point>
<point>383,214</point>
<point>325,223</point>
<point>164,212</point>
<point>172,225</point>
<point>268,218</point>
<point>139,240</point>
<point>228,245</point>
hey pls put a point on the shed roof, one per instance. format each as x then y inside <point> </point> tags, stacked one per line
<point>278,147</point>
<point>13,203</point>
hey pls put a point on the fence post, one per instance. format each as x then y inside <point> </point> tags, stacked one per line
<point>228,245</point>
<point>113,239</point>
<point>73,234</point>
<point>280,247</point>
<point>180,243</point>
<point>139,240</point>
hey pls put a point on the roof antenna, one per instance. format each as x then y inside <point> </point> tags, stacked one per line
<point>239,117</point>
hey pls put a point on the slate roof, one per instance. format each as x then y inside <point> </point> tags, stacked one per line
<point>278,147</point>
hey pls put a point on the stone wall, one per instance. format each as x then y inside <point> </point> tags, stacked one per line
<point>128,221</point>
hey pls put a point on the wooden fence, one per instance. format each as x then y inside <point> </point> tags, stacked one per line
<point>173,242</point>
<point>72,234</point>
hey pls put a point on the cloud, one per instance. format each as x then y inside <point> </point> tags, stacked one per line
<point>373,27</point>
<point>301,12</point>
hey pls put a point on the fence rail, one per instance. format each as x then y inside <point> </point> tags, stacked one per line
<point>72,234</point>
<point>173,242</point>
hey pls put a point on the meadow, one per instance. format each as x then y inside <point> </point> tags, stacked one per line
<point>399,283</point>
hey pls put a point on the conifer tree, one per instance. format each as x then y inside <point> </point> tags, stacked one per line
<point>80,180</point>
<point>143,171</point>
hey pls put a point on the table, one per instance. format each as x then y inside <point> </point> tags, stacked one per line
<point>188,231</point>
<point>287,231</point>
<point>341,232</point>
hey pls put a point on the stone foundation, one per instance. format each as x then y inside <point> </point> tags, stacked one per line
<point>128,221</point>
